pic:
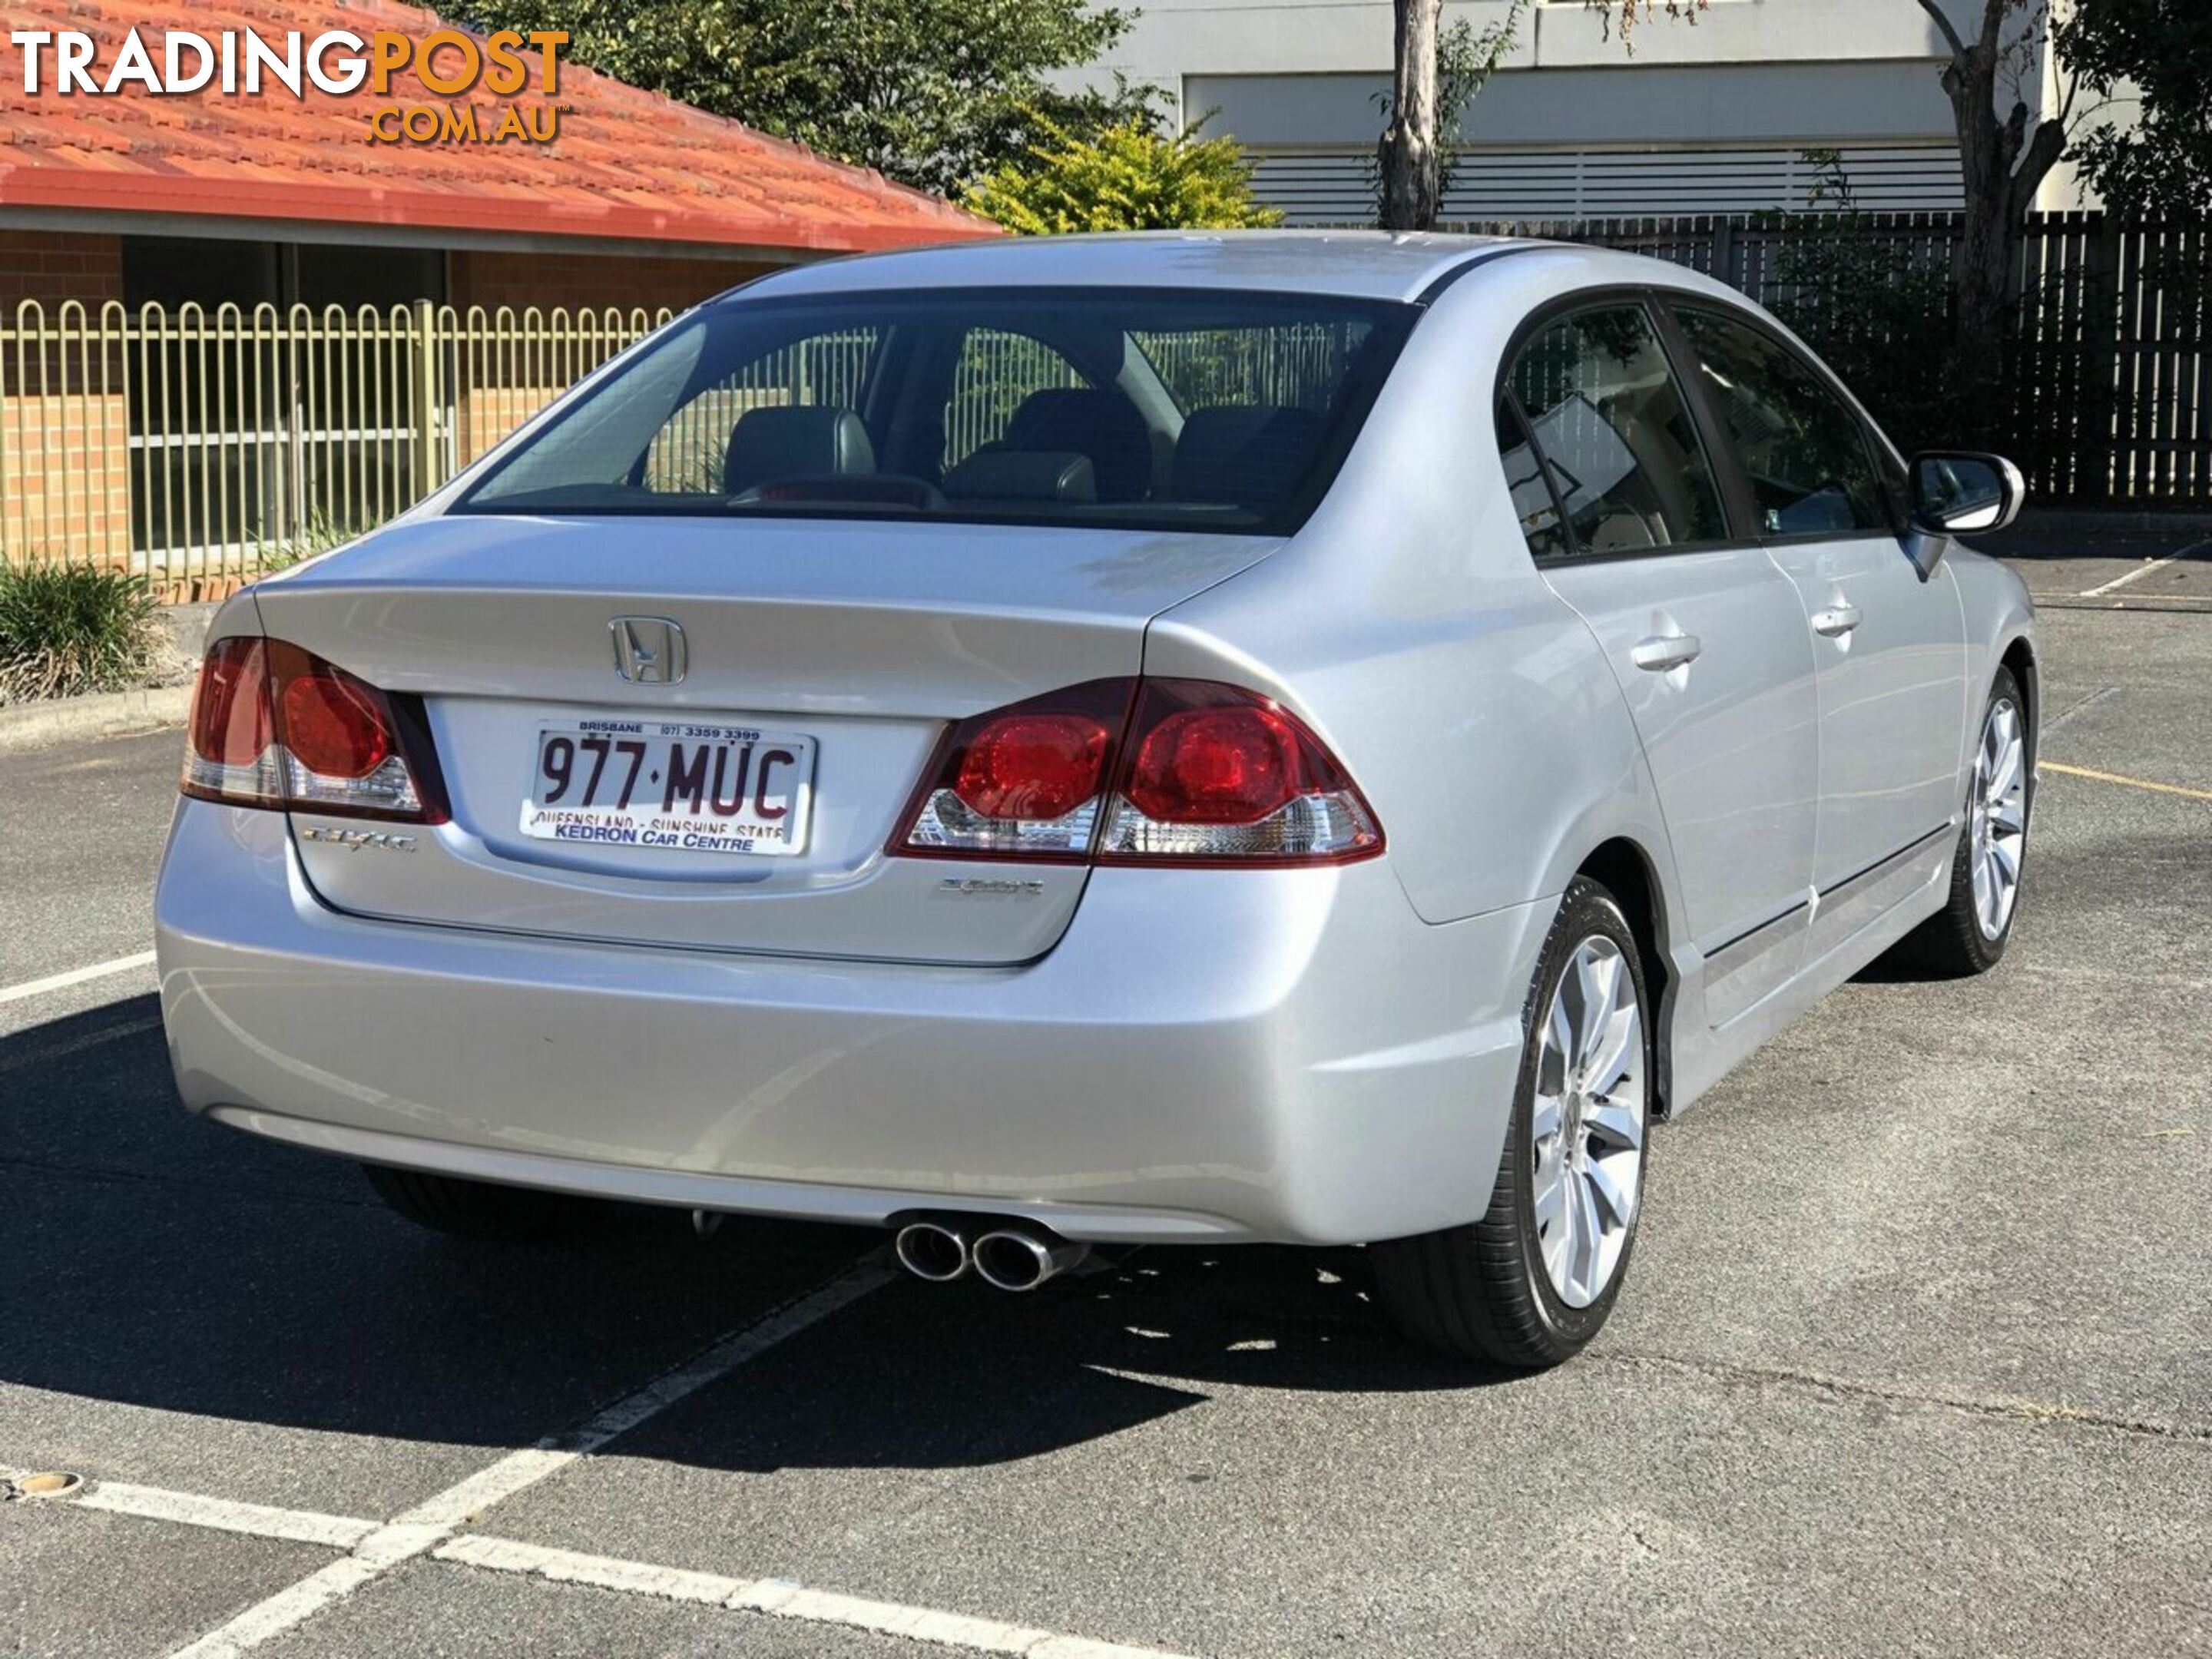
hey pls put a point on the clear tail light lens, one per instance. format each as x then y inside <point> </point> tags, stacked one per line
<point>275,725</point>
<point>1160,771</point>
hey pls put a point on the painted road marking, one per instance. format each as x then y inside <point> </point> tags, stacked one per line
<point>2141,570</point>
<point>39,987</point>
<point>779,1598</point>
<point>599,1572</point>
<point>420,1531</point>
<point>774,1598</point>
<point>190,1509</point>
<point>2131,783</point>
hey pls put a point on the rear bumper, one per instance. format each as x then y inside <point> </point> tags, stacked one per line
<point>1291,1055</point>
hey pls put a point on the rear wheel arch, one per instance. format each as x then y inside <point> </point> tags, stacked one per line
<point>1628,872</point>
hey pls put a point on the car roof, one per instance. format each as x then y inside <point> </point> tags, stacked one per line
<point>1356,264</point>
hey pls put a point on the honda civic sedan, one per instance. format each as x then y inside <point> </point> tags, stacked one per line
<point>1311,739</point>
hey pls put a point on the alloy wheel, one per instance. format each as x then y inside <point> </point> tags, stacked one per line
<point>1588,1122</point>
<point>1998,829</point>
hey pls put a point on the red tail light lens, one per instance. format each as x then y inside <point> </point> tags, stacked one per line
<point>230,753</point>
<point>1216,766</point>
<point>1034,766</point>
<point>333,725</point>
<point>1022,782</point>
<point>1213,774</point>
<point>1222,775</point>
<point>275,725</point>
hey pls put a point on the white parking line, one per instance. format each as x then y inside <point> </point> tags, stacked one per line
<point>780,1598</point>
<point>430,1523</point>
<point>373,1547</point>
<point>599,1572</point>
<point>39,987</point>
<point>255,1520</point>
<point>2141,570</point>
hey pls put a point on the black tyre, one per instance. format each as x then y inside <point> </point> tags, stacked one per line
<point>478,1209</point>
<point>1969,934</point>
<point>1533,1280</point>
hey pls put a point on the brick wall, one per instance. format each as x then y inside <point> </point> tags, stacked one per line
<point>64,466</point>
<point>50,266</point>
<point>596,280</point>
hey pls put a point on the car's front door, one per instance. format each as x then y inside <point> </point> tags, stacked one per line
<point>1703,634</point>
<point>1891,645</point>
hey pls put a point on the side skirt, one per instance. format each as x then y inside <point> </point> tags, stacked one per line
<point>1703,1055</point>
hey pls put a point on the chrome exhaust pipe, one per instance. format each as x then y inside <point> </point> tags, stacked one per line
<point>1022,1256</point>
<point>931,1249</point>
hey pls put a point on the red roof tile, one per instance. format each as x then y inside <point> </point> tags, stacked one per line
<point>627,163</point>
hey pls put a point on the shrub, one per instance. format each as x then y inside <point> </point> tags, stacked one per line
<point>64,632</point>
<point>1129,177</point>
<point>310,540</point>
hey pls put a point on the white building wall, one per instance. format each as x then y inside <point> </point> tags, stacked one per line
<point>1710,117</point>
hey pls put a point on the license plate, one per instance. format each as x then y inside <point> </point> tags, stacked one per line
<point>687,786</point>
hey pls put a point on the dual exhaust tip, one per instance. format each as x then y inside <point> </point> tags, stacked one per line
<point>1008,1255</point>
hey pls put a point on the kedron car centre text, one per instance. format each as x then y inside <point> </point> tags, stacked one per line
<point>446,62</point>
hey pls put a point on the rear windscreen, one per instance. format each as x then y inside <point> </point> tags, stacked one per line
<point>1141,408</point>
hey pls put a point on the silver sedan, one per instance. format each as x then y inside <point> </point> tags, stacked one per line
<point>1187,738</point>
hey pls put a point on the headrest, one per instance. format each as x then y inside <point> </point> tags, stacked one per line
<point>1102,425</point>
<point>1023,474</point>
<point>1247,454</point>
<point>795,443</point>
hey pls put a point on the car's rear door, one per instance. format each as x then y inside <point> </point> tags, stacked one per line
<point>1626,518</point>
<point>1890,645</point>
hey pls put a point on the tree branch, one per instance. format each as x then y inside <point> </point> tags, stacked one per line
<point>1993,16</point>
<point>1935,9</point>
<point>2041,154</point>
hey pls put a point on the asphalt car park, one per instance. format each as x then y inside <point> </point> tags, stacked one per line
<point>1916,1356</point>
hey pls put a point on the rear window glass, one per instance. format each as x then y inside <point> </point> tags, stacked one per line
<point>1139,408</point>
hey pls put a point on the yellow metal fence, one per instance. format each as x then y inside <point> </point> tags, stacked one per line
<point>201,447</point>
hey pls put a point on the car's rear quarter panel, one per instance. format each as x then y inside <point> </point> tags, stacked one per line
<point>1408,623</point>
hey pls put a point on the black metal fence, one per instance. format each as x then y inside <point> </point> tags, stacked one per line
<point>2107,396</point>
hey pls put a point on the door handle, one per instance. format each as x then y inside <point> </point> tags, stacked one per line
<point>1664,651</point>
<point>1836,620</point>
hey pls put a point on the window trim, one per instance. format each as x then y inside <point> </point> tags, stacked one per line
<point>1872,441</point>
<point>1733,494</point>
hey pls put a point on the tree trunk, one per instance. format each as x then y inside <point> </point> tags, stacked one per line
<point>1988,245</point>
<point>1410,164</point>
<point>2004,155</point>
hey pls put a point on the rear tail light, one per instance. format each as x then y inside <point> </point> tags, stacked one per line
<point>1022,782</point>
<point>1224,775</point>
<point>231,752</point>
<point>1182,772</point>
<point>275,725</point>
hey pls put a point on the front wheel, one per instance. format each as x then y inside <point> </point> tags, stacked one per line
<point>1531,1282</point>
<point>1969,934</point>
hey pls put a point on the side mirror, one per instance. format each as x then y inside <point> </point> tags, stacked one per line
<point>1959,492</point>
